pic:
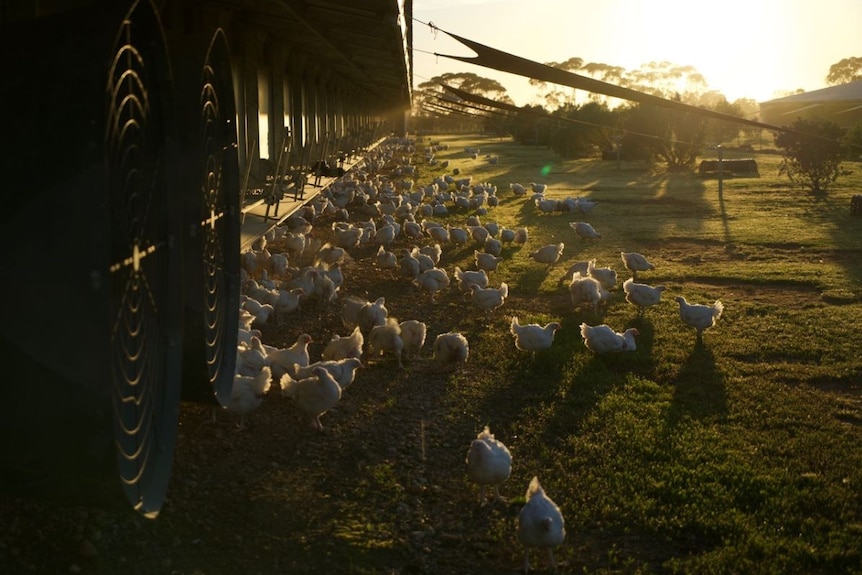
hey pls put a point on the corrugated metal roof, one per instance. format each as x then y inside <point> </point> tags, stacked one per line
<point>365,43</point>
<point>850,92</point>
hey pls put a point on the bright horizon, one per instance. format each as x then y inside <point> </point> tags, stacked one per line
<point>759,49</point>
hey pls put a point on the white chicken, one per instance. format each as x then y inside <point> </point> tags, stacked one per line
<point>343,347</point>
<point>587,290</point>
<point>356,311</point>
<point>282,360</point>
<point>247,393</point>
<point>413,333</point>
<point>549,254</point>
<point>433,281</point>
<point>329,254</point>
<point>459,236</point>
<point>343,370</point>
<point>581,267</point>
<point>434,252</point>
<point>699,316</point>
<point>485,261</point>
<point>251,357</point>
<point>518,189</point>
<point>489,299</point>
<point>451,348</point>
<point>521,236</point>
<point>385,260</point>
<point>635,262</point>
<point>532,336</point>
<point>585,231</point>
<point>408,266</point>
<point>288,301</point>
<point>466,278</point>
<point>642,295</point>
<point>606,276</point>
<point>602,339</point>
<point>489,463</point>
<point>540,524</point>
<point>313,395</point>
<point>386,338</point>
<point>493,246</point>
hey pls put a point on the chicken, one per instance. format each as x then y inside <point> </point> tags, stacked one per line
<point>532,336</point>
<point>408,266</point>
<point>549,254</point>
<point>459,236</point>
<point>540,524</point>
<point>547,205</point>
<point>433,281</point>
<point>635,262</point>
<point>451,347</point>
<point>287,302</point>
<point>479,233</point>
<point>426,262</point>
<point>343,347</point>
<point>603,339</point>
<point>581,267</point>
<point>385,260</point>
<point>434,252</point>
<point>642,295</point>
<point>386,338</point>
<point>343,370</point>
<point>385,235</point>
<point>329,254</point>
<point>282,360</point>
<point>413,333</point>
<point>261,311</point>
<point>699,316</point>
<point>251,357</point>
<point>347,237</point>
<point>518,189</point>
<point>538,188</point>
<point>439,234</point>
<point>247,393</point>
<point>521,236</point>
<point>607,276</point>
<point>493,246</point>
<point>365,314</point>
<point>485,261</point>
<point>489,299</point>
<point>587,290</point>
<point>585,231</point>
<point>489,463</point>
<point>470,277</point>
<point>313,395</point>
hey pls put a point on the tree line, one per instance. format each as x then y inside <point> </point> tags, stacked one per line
<point>596,125</point>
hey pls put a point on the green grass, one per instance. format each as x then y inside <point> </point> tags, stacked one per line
<point>741,455</point>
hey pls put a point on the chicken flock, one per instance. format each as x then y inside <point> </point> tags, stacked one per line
<point>378,205</point>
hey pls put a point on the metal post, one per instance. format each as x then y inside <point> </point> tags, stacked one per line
<point>720,170</point>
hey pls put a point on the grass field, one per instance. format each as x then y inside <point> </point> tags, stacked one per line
<point>741,455</point>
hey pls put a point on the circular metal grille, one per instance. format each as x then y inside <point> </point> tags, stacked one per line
<point>146,296</point>
<point>219,219</point>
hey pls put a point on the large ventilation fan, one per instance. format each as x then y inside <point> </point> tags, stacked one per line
<point>145,273</point>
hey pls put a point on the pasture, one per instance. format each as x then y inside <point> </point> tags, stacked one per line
<point>742,454</point>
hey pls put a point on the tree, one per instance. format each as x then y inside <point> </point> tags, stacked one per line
<point>429,111</point>
<point>812,154</point>
<point>673,137</point>
<point>853,139</point>
<point>846,71</point>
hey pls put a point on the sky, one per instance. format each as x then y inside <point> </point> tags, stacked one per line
<point>758,49</point>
